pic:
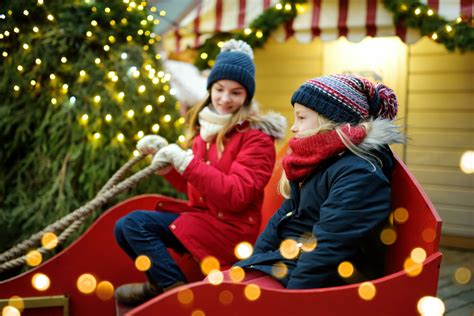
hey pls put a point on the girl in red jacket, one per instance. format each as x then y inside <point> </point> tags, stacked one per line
<point>223,174</point>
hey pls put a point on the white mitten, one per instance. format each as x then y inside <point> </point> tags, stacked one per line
<point>173,154</point>
<point>150,144</point>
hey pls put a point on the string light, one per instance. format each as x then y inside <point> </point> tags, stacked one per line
<point>161,99</point>
<point>38,61</point>
<point>279,6</point>
<point>167,118</point>
<point>97,60</point>
<point>204,56</point>
<point>63,59</point>
<point>16,30</point>
<point>19,68</point>
<point>16,88</point>
<point>108,117</point>
<point>130,113</point>
<point>162,13</point>
<point>25,46</point>
<point>148,108</point>
<point>35,29</point>
<point>94,23</point>
<point>97,99</point>
<point>155,128</point>
<point>120,137</point>
<point>417,11</point>
<point>50,17</point>
<point>54,101</point>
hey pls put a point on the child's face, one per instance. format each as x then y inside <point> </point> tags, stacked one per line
<point>227,96</point>
<point>306,120</point>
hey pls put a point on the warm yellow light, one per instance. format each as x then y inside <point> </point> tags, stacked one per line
<point>185,296</point>
<point>120,137</point>
<point>215,277</point>
<point>64,59</point>
<point>430,306</point>
<point>208,264</point>
<point>65,87</point>
<point>345,269</point>
<point>279,6</point>
<point>155,128</point>
<point>287,7</point>
<point>16,88</point>
<point>121,95</point>
<point>86,283</point>
<point>96,135</point>
<point>459,20</point>
<point>388,236</point>
<point>136,74</point>
<point>107,10</point>
<point>203,55</point>
<point>130,113</point>
<point>243,250</point>
<point>434,36</point>
<point>467,162</point>
<point>97,60</point>
<point>279,270</point>
<point>158,56</point>
<point>289,249</point>
<point>181,138</point>
<point>430,12</point>
<point>52,76</point>
<point>82,73</point>
<point>140,134</point>
<point>50,17</point>
<point>94,23</point>
<point>367,291</point>
<point>38,61</point>
<point>448,28</point>
<point>35,29</point>
<point>136,153</point>
<point>40,282</point>
<point>247,31</point>
<point>308,242</point>
<point>142,263</point>
<point>16,302</point>
<point>156,22</point>
<point>150,17</point>
<point>141,89</point>
<point>236,274</point>
<point>153,9</point>
<point>167,118</point>
<point>198,312</point>
<point>19,68</point>
<point>10,311</point>
<point>418,255</point>
<point>84,118</point>
<point>140,32</point>
<point>161,99</point>
<point>111,39</point>
<point>88,33</point>
<point>148,108</point>
<point>97,99</point>
<point>34,258</point>
<point>143,22</point>
<point>462,275</point>
<point>40,2</point>
<point>49,240</point>
<point>161,74</point>
<point>108,117</point>
<point>259,34</point>
<point>252,292</point>
<point>54,101</point>
<point>26,46</point>
<point>16,30</point>
<point>412,268</point>
<point>417,11</point>
<point>4,54</point>
<point>162,13</point>
<point>106,48</point>
<point>400,215</point>
<point>105,290</point>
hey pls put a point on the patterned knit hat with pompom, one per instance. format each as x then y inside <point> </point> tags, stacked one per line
<point>235,62</point>
<point>347,98</point>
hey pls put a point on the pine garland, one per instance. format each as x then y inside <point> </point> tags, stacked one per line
<point>454,35</point>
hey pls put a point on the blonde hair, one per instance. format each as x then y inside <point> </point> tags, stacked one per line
<point>245,113</point>
<point>326,125</point>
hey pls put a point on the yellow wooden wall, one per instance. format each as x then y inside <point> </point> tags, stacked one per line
<point>439,113</point>
<point>440,117</point>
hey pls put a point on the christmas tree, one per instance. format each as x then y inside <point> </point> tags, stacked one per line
<point>81,82</point>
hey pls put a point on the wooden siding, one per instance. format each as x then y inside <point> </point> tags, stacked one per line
<point>440,119</point>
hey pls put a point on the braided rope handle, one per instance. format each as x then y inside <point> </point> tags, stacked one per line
<point>9,259</point>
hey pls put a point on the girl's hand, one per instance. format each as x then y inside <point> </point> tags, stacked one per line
<point>150,144</point>
<point>174,155</point>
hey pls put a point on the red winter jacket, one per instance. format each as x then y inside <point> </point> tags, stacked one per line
<point>225,195</point>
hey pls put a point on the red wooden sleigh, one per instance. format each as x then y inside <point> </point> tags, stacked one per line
<point>96,253</point>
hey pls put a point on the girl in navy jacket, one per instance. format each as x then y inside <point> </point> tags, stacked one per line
<point>336,182</point>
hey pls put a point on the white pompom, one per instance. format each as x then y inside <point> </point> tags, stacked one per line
<point>237,46</point>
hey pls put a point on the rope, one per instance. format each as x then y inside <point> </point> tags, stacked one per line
<point>71,222</point>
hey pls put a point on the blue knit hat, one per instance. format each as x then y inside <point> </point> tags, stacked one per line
<point>235,62</point>
<point>347,98</point>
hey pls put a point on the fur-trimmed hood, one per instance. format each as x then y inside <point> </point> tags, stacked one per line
<point>272,123</point>
<point>383,132</point>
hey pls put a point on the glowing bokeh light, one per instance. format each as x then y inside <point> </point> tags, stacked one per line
<point>243,250</point>
<point>215,277</point>
<point>418,255</point>
<point>430,306</point>
<point>467,162</point>
<point>49,240</point>
<point>345,269</point>
<point>388,236</point>
<point>142,263</point>
<point>10,311</point>
<point>412,268</point>
<point>86,283</point>
<point>17,302</point>
<point>198,312</point>
<point>208,264</point>
<point>309,242</point>
<point>400,215</point>
<point>226,297</point>
<point>33,258</point>
<point>462,275</point>
<point>105,290</point>
<point>279,270</point>
<point>185,296</point>
<point>40,281</point>
<point>252,292</point>
<point>367,291</point>
<point>289,249</point>
<point>428,234</point>
<point>236,274</point>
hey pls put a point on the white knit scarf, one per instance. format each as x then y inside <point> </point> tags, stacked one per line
<point>211,123</point>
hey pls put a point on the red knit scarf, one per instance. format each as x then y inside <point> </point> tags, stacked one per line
<point>308,152</point>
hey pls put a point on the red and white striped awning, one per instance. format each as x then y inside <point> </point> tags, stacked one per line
<point>327,19</point>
